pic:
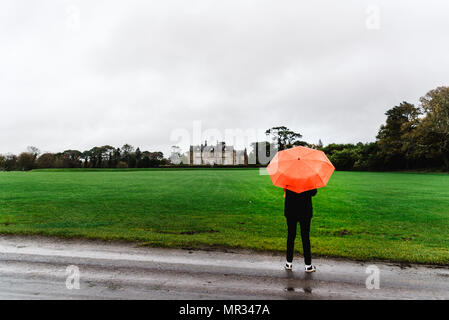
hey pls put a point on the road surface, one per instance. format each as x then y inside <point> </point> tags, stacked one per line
<point>45,268</point>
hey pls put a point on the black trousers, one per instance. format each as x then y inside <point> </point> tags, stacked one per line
<point>305,232</point>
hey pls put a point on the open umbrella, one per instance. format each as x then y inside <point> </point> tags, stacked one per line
<point>300,169</point>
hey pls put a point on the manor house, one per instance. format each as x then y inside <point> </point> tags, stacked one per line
<point>220,154</point>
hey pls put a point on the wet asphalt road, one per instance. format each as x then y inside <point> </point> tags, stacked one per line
<point>36,268</point>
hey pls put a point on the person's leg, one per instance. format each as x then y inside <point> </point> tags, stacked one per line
<point>291,225</point>
<point>305,236</point>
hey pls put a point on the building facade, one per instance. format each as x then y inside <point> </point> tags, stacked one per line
<point>219,154</point>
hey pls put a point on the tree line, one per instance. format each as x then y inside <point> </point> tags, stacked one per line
<point>97,157</point>
<point>412,137</point>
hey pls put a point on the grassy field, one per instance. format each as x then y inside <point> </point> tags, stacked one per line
<point>359,215</point>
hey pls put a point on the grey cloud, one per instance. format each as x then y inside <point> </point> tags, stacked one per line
<point>134,71</point>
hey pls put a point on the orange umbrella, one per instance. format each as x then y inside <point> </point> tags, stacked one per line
<point>300,169</point>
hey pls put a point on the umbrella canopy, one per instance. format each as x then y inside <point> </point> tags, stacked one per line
<point>300,169</point>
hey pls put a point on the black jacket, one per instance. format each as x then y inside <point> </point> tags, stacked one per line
<point>298,205</point>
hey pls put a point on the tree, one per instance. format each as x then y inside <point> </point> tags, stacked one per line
<point>132,162</point>
<point>94,156</point>
<point>127,151</point>
<point>434,126</point>
<point>26,161</point>
<point>70,158</point>
<point>46,161</point>
<point>85,156</point>
<point>2,162</point>
<point>156,158</point>
<point>106,154</point>
<point>283,137</point>
<point>396,139</point>
<point>353,156</point>
<point>10,162</point>
<point>344,159</point>
<point>146,159</point>
<point>368,157</point>
<point>100,157</point>
<point>34,151</point>
<point>116,155</point>
<point>138,156</point>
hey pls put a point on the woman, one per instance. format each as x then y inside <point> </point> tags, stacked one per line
<point>298,208</point>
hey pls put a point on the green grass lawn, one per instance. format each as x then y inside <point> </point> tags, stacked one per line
<point>359,215</point>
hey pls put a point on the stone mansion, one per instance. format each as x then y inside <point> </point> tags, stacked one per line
<point>219,154</point>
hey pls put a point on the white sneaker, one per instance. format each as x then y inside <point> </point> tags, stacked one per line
<point>309,268</point>
<point>288,265</point>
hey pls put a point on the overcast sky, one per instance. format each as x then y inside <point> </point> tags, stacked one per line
<point>75,74</point>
